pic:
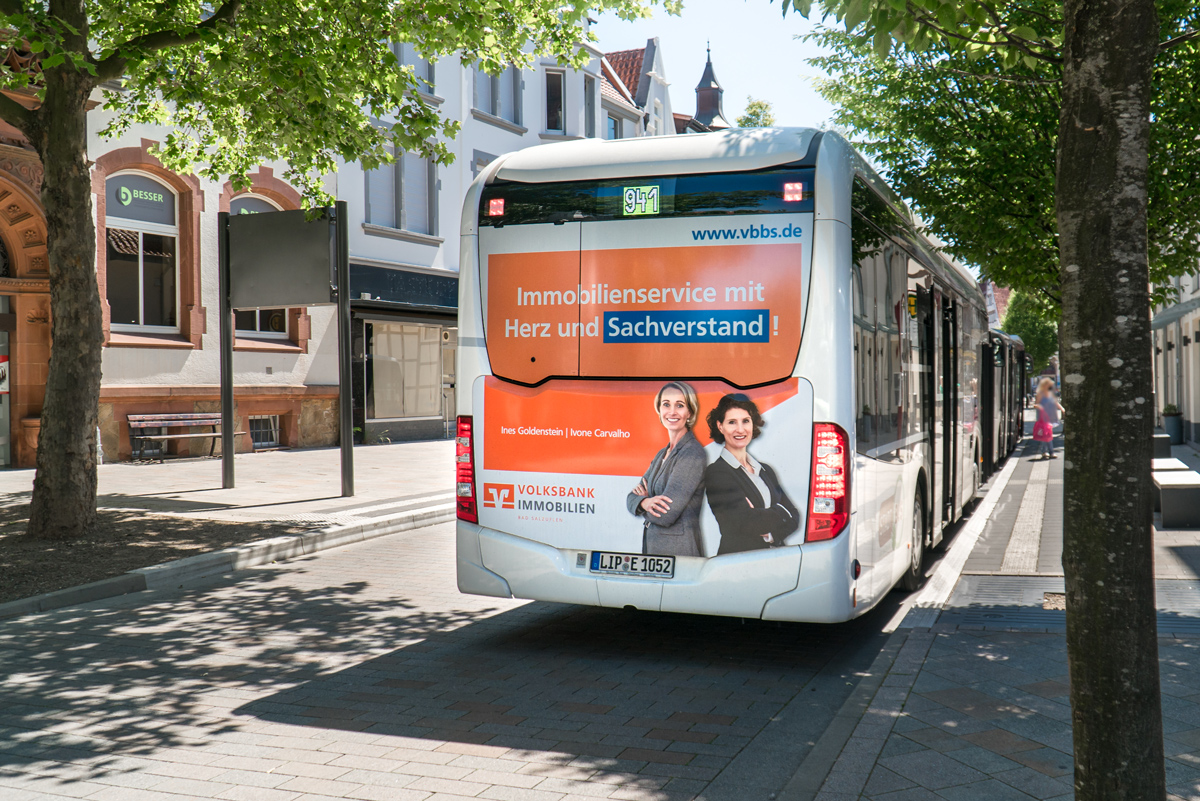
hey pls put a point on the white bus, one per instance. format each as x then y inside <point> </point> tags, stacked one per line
<point>716,373</point>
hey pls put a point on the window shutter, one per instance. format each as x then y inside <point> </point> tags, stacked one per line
<point>416,194</point>
<point>381,196</point>
<point>483,91</point>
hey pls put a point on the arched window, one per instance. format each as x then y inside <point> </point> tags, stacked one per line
<point>251,204</point>
<point>264,323</point>
<point>141,261</point>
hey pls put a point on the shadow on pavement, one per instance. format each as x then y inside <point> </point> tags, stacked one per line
<point>98,692</point>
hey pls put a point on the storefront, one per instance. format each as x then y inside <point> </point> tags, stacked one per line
<point>404,340</point>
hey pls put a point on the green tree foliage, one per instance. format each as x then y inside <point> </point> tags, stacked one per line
<point>758,114</point>
<point>973,147</point>
<point>306,82</point>
<point>1033,320</point>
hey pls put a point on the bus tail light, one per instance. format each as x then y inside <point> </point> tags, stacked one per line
<point>464,466</point>
<point>829,490</point>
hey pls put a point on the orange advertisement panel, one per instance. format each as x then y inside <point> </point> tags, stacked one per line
<point>731,312</point>
<point>721,311</point>
<point>590,428</point>
<point>530,324</point>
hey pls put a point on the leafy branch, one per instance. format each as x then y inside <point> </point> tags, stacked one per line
<point>114,65</point>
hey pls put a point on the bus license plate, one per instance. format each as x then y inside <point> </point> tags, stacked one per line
<point>632,564</point>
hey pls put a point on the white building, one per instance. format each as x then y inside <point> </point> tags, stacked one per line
<point>1176,335</point>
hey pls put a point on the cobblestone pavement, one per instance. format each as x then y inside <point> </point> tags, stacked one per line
<point>362,673</point>
<point>976,705</point>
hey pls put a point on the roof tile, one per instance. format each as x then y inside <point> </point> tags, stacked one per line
<point>628,66</point>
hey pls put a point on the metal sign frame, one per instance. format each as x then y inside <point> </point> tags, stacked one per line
<point>339,289</point>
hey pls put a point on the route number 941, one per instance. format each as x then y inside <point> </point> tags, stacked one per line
<point>640,200</point>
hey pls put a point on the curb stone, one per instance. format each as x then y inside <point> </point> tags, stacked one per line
<point>807,781</point>
<point>179,571</point>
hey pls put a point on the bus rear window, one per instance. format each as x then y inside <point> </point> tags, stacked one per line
<point>774,191</point>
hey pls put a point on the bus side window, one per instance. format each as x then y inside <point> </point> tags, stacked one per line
<point>897,309</point>
<point>885,335</point>
<point>865,351</point>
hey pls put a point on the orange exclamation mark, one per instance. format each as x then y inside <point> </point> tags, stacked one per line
<point>775,327</point>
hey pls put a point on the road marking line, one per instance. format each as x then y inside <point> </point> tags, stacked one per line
<point>1021,555</point>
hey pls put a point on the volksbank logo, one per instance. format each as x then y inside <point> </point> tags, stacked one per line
<point>561,499</point>
<point>498,496</point>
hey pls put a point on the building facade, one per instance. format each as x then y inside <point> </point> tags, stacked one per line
<point>156,254</point>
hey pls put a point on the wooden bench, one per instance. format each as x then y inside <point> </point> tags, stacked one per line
<point>139,423</point>
<point>1179,493</point>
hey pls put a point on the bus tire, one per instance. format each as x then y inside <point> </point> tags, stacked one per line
<point>914,575</point>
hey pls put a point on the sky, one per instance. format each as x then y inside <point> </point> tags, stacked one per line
<point>754,52</point>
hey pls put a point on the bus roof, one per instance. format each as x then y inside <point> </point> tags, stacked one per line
<point>599,159</point>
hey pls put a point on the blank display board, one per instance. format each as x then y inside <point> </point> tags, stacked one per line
<point>280,258</point>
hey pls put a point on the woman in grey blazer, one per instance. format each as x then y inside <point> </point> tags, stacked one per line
<point>670,494</point>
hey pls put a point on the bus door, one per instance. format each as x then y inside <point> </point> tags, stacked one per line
<point>991,384</point>
<point>948,379</point>
<point>926,343</point>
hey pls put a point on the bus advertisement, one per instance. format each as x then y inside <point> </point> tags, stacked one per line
<point>693,380</point>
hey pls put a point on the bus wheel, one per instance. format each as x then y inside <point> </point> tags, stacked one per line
<point>914,576</point>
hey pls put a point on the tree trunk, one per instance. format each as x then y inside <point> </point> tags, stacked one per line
<point>1101,194</point>
<point>64,491</point>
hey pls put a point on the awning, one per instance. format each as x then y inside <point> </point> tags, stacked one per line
<point>1173,313</point>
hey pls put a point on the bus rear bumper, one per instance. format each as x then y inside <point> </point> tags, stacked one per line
<point>473,577</point>
<point>825,592</point>
<point>766,584</point>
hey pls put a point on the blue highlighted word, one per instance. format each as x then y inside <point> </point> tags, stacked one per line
<point>725,325</point>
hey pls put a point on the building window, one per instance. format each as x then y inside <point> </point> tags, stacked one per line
<point>614,127</point>
<point>407,55</point>
<point>264,431</point>
<point>402,194</point>
<point>403,371</point>
<point>141,261</point>
<point>658,119</point>
<point>499,95</point>
<point>251,204</point>
<point>555,102</point>
<point>267,323</point>
<point>589,107</point>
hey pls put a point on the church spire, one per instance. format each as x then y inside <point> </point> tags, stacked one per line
<point>708,97</point>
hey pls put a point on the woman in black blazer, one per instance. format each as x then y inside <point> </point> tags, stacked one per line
<point>751,507</point>
<point>670,494</point>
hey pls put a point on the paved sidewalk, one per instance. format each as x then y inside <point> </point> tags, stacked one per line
<point>398,487</point>
<point>972,702</point>
<point>301,487</point>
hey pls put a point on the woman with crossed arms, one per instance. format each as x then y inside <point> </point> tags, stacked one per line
<point>670,493</point>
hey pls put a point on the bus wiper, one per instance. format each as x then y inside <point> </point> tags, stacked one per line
<point>560,217</point>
